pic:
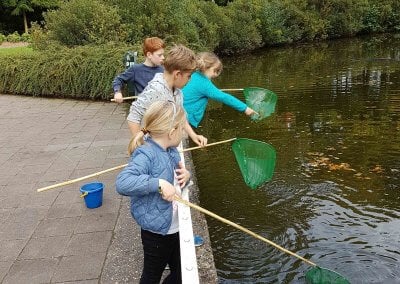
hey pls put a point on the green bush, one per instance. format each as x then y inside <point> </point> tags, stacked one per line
<point>2,38</point>
<point>287,21</point>
<point>26,37</point>
<point>208,21</point>
<point>39,38</point>
<point>344,16</point>
<point>80,22</point>
<point>175,21</point>
<point>82,73</point>
<point>382,16</point>
<point>14,37</point>
<point>240,30</point>
<point>236,26</point>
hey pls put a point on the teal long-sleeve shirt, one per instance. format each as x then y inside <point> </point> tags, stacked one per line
<point>196,94</point>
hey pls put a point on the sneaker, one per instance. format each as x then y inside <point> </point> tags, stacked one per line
<point>198,241</point>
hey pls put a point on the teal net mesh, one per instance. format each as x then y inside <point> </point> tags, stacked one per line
<point>318,275</point>
<point>256,161</point>
<point>261,100</point>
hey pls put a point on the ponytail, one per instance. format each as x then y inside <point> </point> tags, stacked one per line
<point>136,141</point>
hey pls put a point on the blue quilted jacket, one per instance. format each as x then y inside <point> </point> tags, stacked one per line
<point>139,180</point>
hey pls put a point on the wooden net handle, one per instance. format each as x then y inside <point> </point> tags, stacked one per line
<point>226,221</point>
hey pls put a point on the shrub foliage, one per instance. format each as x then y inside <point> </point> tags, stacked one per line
<point>80,22</point>
<point>81,73</point>
<point>234,26</point>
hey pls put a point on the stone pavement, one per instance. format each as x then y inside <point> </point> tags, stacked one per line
<point>51,237</point>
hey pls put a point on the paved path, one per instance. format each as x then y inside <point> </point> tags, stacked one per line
<point>51,237</point>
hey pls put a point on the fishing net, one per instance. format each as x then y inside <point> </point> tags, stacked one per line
<point>261,100</point>
<point>256,160</point>
<point>318,275</point>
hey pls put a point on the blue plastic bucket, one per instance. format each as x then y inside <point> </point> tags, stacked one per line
<point>93,194</point>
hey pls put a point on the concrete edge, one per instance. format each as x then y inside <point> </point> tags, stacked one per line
<point>205,258</point>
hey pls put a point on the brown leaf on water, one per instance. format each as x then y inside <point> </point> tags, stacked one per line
<point>341,166</point>
<point>378,169</point>
<point>313,164</point>
<point>346,166</point>
<point>315,153</point>
<point>333,167</point>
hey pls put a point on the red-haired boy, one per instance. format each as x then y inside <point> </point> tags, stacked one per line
<point>141,74</point>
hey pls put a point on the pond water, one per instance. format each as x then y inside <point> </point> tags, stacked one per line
<point>335,194</point>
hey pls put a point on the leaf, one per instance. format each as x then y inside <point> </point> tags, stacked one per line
<point>378,169</point>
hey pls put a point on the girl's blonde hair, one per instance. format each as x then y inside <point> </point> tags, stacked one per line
<point>206,60</point>
<point>159,119</point>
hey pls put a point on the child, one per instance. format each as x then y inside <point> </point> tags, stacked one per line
<point>148,180</point>
<point>141,74</point>
<point>178,67</point>
<point>200,88</point>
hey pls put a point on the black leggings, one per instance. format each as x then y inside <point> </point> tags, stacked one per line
<point>159,251</point>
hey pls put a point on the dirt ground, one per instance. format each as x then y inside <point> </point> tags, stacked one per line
<point>7,44</point>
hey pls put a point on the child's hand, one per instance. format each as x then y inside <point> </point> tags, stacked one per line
<point>182,174</point>
<point>167,190</point>
<point>250,111</point>
<point>199,140</point>
<point>118,97</point>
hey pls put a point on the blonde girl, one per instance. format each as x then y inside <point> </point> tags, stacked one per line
<point>148,180</point>
<point>200,88</point>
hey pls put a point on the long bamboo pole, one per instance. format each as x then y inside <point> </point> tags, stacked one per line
<point>120,167</point>
<point>224,90</point>
<point>208,145</point>
<point>126,98</point>
<point>226,221</point>
<point>81,178</point>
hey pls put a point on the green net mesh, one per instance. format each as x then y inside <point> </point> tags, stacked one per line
<point>256,160</point>
<point>318,275</point>
<point>263,101</point>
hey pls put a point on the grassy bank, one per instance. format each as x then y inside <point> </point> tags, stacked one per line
<point>19,50</point>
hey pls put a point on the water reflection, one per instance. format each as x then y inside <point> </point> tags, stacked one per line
<point>334,197</point>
